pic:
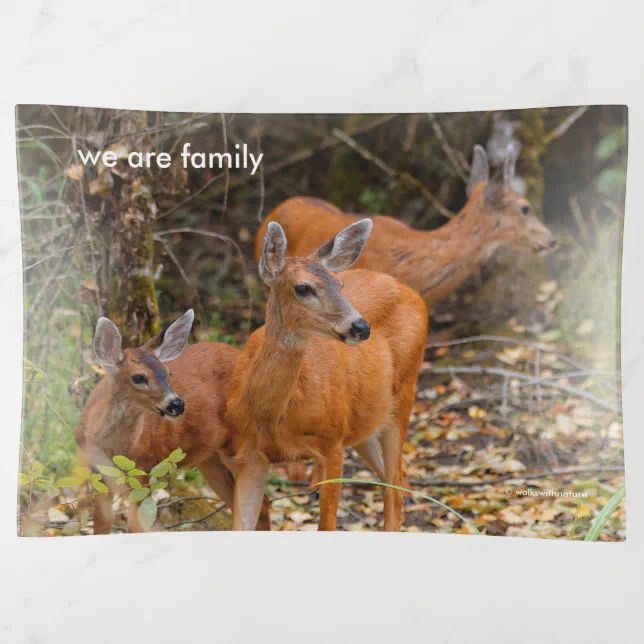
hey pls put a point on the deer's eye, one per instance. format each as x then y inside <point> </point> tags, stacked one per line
<point>525,209</point>
<point>139,379</point>
<point>303,290</point>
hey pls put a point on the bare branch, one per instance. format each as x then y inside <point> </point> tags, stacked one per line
<point>191,197</point>
<point>494,371</point>
<point>227,170</point>
<point>403,177</point>
<point>565,125</point>
<point>449,153</point>
<point>262,187</point>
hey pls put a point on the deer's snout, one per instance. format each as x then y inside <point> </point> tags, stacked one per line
<point>175,407</point>
<point>360,330</point>
<point>548,246</point>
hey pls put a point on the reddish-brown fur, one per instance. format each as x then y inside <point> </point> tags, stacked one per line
<point>294,394</point>
<point>116,419</point>
<point>432,262</point>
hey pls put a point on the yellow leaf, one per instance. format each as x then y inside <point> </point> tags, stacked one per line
<point>584,511</point>
<point>75,172</point>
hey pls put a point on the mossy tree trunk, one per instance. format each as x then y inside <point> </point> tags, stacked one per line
<point>127,216</point>
<point>532,135</point>
<point>131,300</point>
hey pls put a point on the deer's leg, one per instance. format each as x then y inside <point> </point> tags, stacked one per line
<point>371,451</point>
<point>103,513</point>
<point>392,440</point>
<point>296,471</point>
<point>392,452</point>
<point>221,480</point>
<point>133,523</point>
<point>330,492</point>
<point>317,473</point>
<point>250,479</point>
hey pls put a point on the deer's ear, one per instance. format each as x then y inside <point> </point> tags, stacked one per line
<point>480,170</point>
<point>272,259</point>
<point>509,166</point>
<point>343,250</point>
<point>108,344</point>
<point>169,344</point>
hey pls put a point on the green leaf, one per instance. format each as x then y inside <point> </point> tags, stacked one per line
<point>161,469</point>
<point>83,472</point>
<point>159,486</point>
<point>121,479</point>
<point>610,144</point>
<point>36,468</point>
<point>99,486</point>
<point>23,479</point>
<point>177,456</point>
<point>147,512</point>
<point>124,463</point>
<point>153,479</point>
<point>138,495</point>
<point>108,470</point>
<point>95,476</point>
<point>135,484</point>
<point>69,481</point>
<point>73,527</point>
<point>604,515</point>
<point>136,472</point>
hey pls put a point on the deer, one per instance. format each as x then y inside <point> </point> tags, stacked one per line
<point>319,377</point>
<point>134,410</point>
<point>433,262</point>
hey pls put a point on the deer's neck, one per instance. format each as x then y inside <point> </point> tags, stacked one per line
<point>120,425</point>
<point>274,368</point>
<point>435,262</point>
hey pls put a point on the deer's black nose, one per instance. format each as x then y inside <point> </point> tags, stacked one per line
<point>360,330</point>
<point>176,407</point>
<point>553,243</point>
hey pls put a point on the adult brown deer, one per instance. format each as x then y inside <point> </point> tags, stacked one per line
<point>432,262</point>
<point>135,412</point>
<point>318,377</point>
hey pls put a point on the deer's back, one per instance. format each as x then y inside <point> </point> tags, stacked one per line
<point>308,223</point>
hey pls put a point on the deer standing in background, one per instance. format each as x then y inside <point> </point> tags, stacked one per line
<point>135,412</point>
<point>432,262</point>
<point>317,377</point>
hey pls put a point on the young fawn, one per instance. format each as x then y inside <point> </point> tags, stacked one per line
<point>432,262</point>
<point>318,377</point>
<point>135,412</point>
